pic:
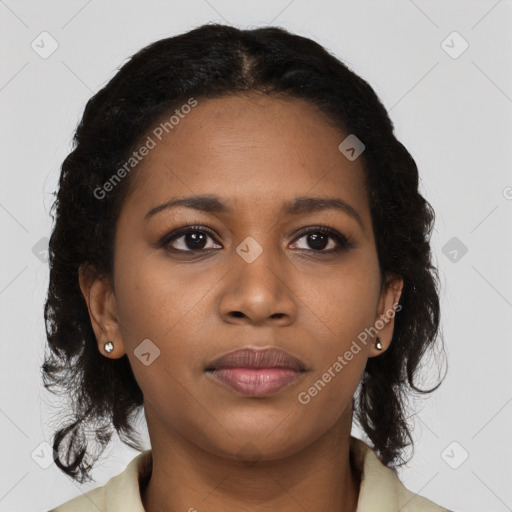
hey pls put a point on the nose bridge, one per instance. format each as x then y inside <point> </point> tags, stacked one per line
<point>257,284</point>
<point>258,257</point>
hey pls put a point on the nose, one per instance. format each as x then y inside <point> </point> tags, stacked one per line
<point>258,291</point>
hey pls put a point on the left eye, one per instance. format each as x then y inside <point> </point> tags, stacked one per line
<point>318,237</point>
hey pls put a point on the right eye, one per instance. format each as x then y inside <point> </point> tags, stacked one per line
<point>192,238</point>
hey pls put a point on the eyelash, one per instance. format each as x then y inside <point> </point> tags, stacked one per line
<point>343,243</point>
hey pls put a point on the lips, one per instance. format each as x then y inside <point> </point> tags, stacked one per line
<point>257,358</point>
<point>256,372</point>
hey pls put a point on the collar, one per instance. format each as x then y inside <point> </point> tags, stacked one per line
<point>380,489</point>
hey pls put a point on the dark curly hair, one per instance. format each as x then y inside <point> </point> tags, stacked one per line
<point>213,61</point>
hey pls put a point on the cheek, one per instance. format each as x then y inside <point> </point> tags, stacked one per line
<point>346,301</point>
<point>340,363</point>
<point>346,304</point>
<point>150,298</point>
<point>327,394</point>
<point>166,306</point>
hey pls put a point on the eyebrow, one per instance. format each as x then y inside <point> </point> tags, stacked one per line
<point>298,206</point>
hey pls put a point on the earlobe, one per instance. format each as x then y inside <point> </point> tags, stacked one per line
<point>384,322</point>
<point>101,303</point>
<point>110,350</point>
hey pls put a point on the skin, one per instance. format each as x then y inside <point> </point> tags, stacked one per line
<point>254,152</point>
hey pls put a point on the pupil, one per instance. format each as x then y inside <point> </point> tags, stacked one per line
<point>195,237</point>
<point>315,238</point>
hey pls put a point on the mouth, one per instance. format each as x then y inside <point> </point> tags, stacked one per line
<point>256,372</point>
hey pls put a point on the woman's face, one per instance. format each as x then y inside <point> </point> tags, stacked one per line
<point>249,274</point>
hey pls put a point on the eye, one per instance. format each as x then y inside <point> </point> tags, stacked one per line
<point>193,238</point>
<point>318,238</point>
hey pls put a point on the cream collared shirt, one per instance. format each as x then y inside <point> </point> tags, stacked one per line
<point>380,491</point>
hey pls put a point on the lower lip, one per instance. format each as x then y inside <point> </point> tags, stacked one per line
<point>256,381</point>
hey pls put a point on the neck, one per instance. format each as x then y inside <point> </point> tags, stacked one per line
<point>185,477</point>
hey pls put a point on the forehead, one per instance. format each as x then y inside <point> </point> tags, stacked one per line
<point>256,150</point>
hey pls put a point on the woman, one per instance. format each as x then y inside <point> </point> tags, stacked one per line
<point>241,249</point>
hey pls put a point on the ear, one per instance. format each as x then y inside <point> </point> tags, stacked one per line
<point>101,303</point>
<point>385,319</point>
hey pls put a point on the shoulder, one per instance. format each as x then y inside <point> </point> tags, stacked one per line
<point>121,492</point>
<point>381,490</point>
<point>93,500</point>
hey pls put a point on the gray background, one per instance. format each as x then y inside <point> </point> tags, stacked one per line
<point>451,109</point>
